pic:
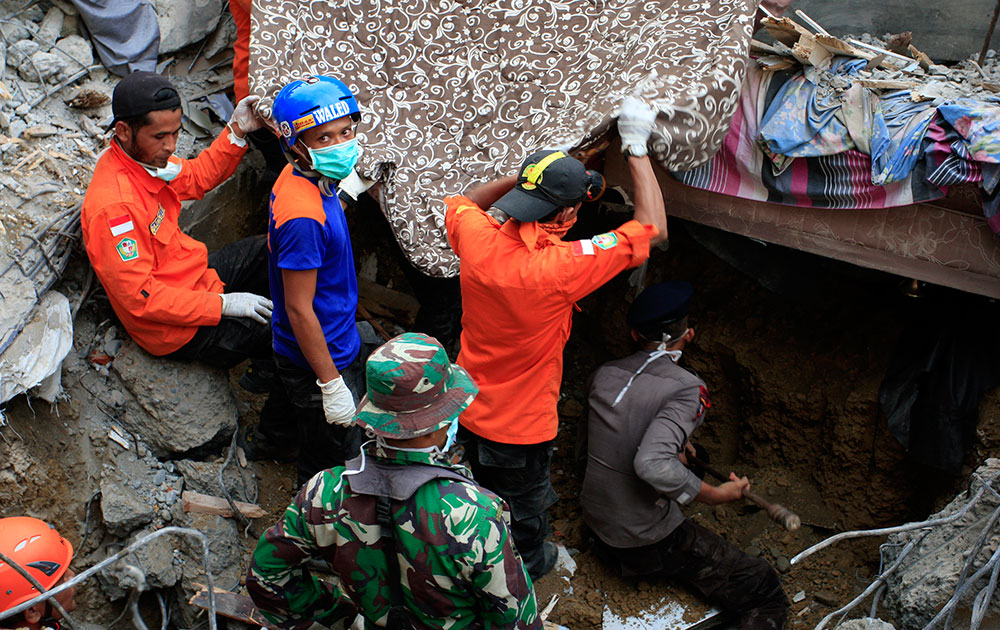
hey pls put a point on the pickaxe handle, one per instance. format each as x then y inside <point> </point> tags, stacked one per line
<point>782,515</point>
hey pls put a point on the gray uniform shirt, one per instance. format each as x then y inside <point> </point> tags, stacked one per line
<point>634,480</point>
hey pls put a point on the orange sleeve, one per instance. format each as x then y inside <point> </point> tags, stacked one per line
<point>213,166</point>
<point>241,48</point>
<point>124,265</point>
<point>590,263</point>
<point>460,211</point>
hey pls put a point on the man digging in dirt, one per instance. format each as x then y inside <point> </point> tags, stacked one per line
<point>414,541</point>
<point>173,298</point>
<point>39,549</point>
<point>520,282</point>
<point>643,410</point>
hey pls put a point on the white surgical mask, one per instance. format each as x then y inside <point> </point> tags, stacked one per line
<point>167,173</point>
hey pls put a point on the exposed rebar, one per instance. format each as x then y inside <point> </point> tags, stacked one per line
<point>184,531</point>
<point>884,531</point>
<point>247,525</point>
<point>874,586</point>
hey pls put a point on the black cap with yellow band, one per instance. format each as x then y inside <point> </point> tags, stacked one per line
<point>550,180</point>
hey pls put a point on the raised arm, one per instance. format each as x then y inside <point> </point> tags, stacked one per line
<point>485,195</point>
<point>635,125</point>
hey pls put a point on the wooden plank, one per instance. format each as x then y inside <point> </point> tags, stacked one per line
<point>767,49</point>
<point>385,302</point>
<point>887,84</point>
<point>773,64</point>
<point>838,46</point>
<point>207,504</point>
<point>231,606</point>
<point>784,30</point>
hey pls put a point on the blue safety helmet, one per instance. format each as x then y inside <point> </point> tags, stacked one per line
<point>310,102</point>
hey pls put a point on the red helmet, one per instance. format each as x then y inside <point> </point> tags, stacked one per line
<point>37,547</point>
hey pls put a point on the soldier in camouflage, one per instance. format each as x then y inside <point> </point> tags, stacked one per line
<point>414,541</point>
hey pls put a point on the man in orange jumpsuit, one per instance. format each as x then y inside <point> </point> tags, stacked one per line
<point>172,297</point>
<point>520,281</point>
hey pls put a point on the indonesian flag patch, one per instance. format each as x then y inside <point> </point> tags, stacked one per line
<point>120,225</point>
<point>704,402</point>
<point>583,248</point>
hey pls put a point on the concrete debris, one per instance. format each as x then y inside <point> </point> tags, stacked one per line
<point>18,52</point>
<point>76,50</point>
<point>43,65</point>
<point>32,361</point>
<point>928,576</point>
<point>866,623</point>
<point>184,22</point>
<point>134,491</point>
<point>154,565</point>
<point>14,30</point>
<point>188,406</point>
<point>203,477</point>
<point>51,27</point>
<point>226,549</point>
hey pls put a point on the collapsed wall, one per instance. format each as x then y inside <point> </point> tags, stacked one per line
<point>950,568</point>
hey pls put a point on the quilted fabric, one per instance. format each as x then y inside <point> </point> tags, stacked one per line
<point>455,93</point>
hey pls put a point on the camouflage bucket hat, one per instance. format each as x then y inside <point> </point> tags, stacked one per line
<point>413,389</point>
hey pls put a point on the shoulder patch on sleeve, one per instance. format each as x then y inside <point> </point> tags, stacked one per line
<point>127,249</point>
<point>583,248</point>
<point>606,240</point>
<point>704,403</point>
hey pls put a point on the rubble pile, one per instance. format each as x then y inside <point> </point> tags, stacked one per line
<point>55,107</point>
<point>949,568</point>
<point>144,474</point>
<point>894,63</point>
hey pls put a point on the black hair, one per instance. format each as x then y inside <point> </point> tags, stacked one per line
<point>137,122</point>
<point>654,331</point>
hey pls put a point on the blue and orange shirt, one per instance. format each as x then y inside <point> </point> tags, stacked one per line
<point>308,230</point>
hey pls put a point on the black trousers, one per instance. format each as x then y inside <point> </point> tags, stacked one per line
<point>242,266</point>
<point>519,474</point>
<point>321,444</point>
<point>723,574</point>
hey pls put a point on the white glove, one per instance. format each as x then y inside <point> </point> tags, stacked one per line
<point>635,124</point>
<point>256,307</point>
<point>338,402</point>
<point>244,116</point>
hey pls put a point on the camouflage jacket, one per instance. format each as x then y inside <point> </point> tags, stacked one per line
<point>460,569</point>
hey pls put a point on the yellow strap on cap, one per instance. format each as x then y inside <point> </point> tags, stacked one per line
<point>534,174</point>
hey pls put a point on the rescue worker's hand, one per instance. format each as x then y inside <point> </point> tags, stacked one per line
<point>338,402</point>
<point>255,307</point>
<point>245,119</point>
<point>635,124</point>
<point>732,490</point>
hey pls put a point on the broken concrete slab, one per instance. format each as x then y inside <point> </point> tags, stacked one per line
<point>18,52</point>
<point>76,50</point>
<point>50,28</point>
<point>930,573</point>
<point>41,66</point>
<point>184,22</point>
<point>156,564</point>
<point>135,491</point>
<point>204,477</point>
<point>226,552</point>
<point>188,407</point>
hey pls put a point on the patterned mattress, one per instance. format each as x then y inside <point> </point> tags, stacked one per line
<point>455,93</point>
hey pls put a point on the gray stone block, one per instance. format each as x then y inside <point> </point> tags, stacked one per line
<point>182,407</point>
